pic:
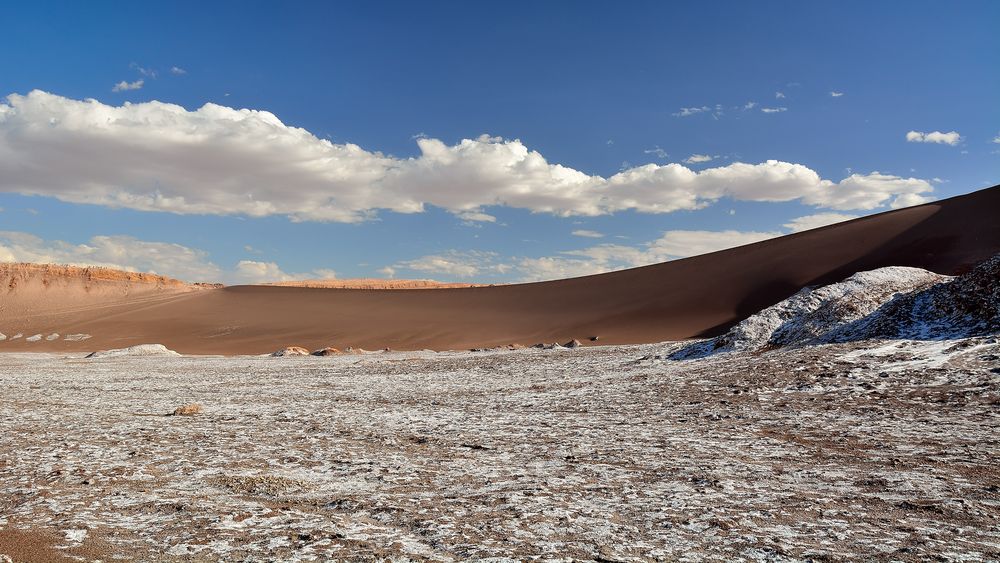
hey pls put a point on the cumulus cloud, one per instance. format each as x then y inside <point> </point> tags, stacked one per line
<point>587,234</point>
<point>698,158</point>
<point>124,86</point>
<point>816,221</point>
<point>155,156</point>
<point>454,263</point>
<point>120,252</point>
<point>773,110</point>
<point>252,271</point>
<point>835,94</point>
<point>952,138</point>
<point>595,259</point>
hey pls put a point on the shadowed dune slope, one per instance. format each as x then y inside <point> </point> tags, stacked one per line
<point>694,297</point>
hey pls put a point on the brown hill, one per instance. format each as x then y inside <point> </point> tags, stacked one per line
<point>686,298</point>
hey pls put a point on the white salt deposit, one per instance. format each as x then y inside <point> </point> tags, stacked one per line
<point>53,336</point>
<point>34,338</point>
<point>138,350</point>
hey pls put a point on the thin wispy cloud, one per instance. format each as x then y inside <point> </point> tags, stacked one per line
<point>658,152</point>
<point>699,158</point>
<point>779,95</point>
<point>176,70</point>
<point>937,137</point>
<point>835,94</point>
<point>687,112</point>
<point>147,72</point>
<point>774,110</point>
<point>124,86</point>
<point>587,234</point>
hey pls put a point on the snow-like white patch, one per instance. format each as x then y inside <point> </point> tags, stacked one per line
<point>138,350</point>
<point>76,337</point>
<point>16,336</point>
<point>3,337</point>
<point>812,313</point>
<point>34,338</point>
<point>76,536</point>
<point>53,336</point>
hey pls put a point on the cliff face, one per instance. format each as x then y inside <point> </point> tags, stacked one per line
<point>19,274</point>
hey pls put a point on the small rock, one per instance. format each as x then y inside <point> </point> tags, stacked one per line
<point>187,410</point>
<point>328,351</point>
<point>595,338</point>
<point>573,344</point>
<point>291,351</point>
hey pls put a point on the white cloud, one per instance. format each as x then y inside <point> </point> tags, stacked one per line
<point>143,71</point>
<point>593,260</point>
<point>750,105</point>
<point>609,257</point>
<point>909,200</point>
<point>177,70</point>
<point>686,112</point>
<point>815,221</point>
<point>952,138</point>
<point>773,110</point>
<point>587,234</point>
<point>252,271</point>
<point>835,94</point>
<point>124,86</point>
<point>388,271</point>
<point>698,158</point>
<point>460,264</point>
<point>476,216</point>
<point>120,252</point>
<point>779,95</point>
<point>660,153</point>
<point>217,160</point>
<point>996,139</point>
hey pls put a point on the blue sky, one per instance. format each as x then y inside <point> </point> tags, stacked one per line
<point>466,141</point>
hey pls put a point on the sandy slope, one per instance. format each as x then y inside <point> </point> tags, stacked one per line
<point>373,283</point>
<point>679,299</point>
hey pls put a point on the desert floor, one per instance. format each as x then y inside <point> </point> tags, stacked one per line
<point>885,450</point>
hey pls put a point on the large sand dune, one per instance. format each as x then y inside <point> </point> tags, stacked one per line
<point>687,298</point>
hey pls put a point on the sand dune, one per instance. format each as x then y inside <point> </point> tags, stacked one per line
<point>698,296</point>
<point>373,283</point>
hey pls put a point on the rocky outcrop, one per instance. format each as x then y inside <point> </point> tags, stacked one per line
<point>892,302</point>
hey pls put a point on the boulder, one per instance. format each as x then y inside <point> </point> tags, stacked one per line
<point>290,351</point>
<point>328,351</point>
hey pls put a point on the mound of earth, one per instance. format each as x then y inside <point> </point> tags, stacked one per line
<point>290,351</point>
<point>965,306</point>
<point>139,350</point>
<point>892,302</point>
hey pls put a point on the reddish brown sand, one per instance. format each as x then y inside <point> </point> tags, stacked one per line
<point>373,283</point>
<point>687,298</point>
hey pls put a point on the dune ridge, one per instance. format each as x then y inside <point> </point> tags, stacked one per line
<point>372,283</point>
<point>695,297</point>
